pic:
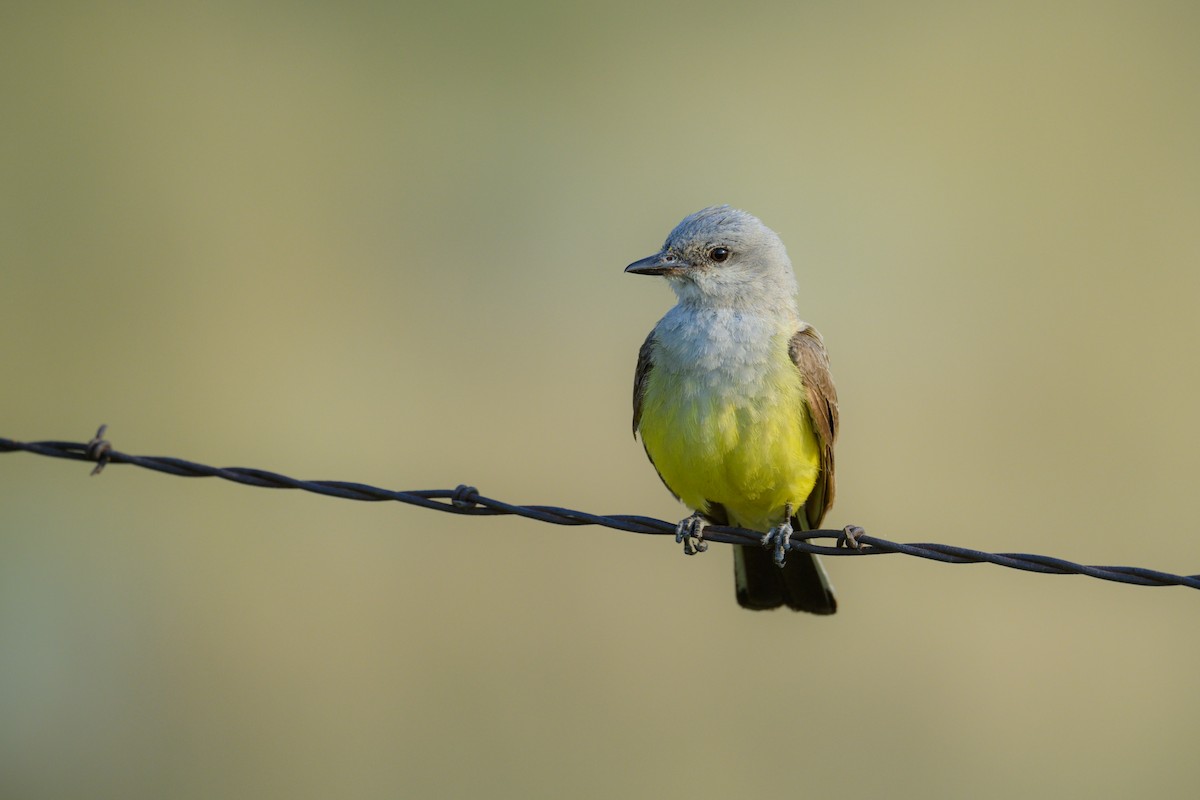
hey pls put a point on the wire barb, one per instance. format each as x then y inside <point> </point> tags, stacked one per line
<point>464,497</point>
<point>98,449</point>
<point>467,500</point>
<point>851,537</point>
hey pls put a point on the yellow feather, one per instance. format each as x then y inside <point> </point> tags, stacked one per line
<point>750,448</point>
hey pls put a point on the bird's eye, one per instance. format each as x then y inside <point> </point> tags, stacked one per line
<point>719,254</point>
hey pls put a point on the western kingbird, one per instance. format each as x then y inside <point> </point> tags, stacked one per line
<point>735,404</point>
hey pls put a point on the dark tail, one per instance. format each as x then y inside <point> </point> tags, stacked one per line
<point>801,584</point>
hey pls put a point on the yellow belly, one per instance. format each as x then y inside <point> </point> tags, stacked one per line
<point>750,448</point>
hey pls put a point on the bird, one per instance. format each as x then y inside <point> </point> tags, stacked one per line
<point>735,404</point>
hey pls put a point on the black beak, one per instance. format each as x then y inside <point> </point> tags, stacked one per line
<point>657,264</point>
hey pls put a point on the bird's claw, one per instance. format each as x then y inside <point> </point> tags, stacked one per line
<point>779,538</point>
<point>690,532</point>
<point>849,537</point>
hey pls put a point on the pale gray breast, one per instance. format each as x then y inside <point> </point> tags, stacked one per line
<point>726,352</point>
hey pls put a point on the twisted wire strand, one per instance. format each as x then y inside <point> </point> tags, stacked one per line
<point>466,500</point>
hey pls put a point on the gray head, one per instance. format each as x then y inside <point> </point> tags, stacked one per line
<point>721,256</point>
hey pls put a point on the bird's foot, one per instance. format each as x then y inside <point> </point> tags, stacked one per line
<point>780,537</point>
<point>849,537</point>
<point>690,532</point>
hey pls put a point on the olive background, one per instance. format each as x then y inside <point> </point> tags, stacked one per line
<point>384,242</point>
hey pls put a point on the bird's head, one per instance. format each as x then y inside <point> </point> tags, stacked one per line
<point>721,256</point>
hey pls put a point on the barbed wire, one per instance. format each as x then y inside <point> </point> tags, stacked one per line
<point>466,500</point>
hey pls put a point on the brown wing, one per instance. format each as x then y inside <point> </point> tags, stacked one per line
<point>644,365</point>
<point>808,354</point>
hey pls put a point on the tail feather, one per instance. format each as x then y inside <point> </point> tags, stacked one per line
<point>801,584</point>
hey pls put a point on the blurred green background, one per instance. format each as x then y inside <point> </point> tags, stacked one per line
<point>383,243</point>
